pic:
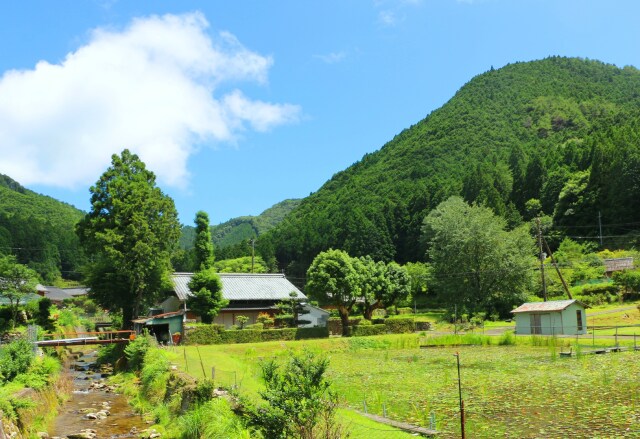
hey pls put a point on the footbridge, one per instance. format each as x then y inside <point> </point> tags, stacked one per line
<point>87,338</point>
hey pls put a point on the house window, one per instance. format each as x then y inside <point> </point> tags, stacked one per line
<point>579,319</point>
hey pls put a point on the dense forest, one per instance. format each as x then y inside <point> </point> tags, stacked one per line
<point>39,231</point>
<point>231,239</point>
<point>557,138</point>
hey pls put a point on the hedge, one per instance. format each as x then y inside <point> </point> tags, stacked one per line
<point>212,334</point>
<point>400,326</point>
<point>364,330</point>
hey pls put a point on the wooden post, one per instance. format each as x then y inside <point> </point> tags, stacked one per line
<point>616,336</point>
<point>204,374</point>
<point>457,354</point>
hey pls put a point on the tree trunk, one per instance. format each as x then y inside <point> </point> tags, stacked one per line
<point>127,316</point>
<point>369,309</point>
<point>344,318</point>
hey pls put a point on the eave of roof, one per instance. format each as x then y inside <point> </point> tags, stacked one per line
<point>244,286</point>
<point>550,306</point>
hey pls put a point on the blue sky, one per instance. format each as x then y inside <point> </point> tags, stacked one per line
<point>239,105</point>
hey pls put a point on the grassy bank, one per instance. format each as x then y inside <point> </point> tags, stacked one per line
<point>515,390</point>
<point>31,388</point>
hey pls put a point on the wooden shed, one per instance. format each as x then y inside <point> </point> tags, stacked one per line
<point>556,317</point>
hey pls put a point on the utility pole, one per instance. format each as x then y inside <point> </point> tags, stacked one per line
<point>541,257</point>
<point>457,355</point>
<point>253,251</point>
<point>555,265</point>
<point>600,226</point>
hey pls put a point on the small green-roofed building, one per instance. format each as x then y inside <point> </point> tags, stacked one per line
<point>163,326</point>
<point>556,317</point>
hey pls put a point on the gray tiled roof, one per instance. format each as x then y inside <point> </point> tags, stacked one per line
<point>56,294</point>
<point>245,286</point>
<point>553,305</point>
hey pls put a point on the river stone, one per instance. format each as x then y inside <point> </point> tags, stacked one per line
<point>90,416</point>
<point>83,434</point>
<point>42,435</point>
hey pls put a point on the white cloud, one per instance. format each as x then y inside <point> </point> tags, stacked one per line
<point>332,58</point>
<point>153,87</point>
<point>387,18</point>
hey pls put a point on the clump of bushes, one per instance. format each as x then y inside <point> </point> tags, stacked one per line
<point>15,358</point>
<point>216,334</point>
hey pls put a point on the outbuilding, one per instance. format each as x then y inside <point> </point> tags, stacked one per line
<point>556,317</point>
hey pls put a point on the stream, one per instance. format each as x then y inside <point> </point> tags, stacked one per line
<point>94,409</point>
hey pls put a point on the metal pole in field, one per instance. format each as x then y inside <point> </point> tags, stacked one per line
<point>455,319</point>
<point>457,355</point>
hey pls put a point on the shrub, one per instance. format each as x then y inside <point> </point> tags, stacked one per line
<point>136,350</point>
<point>205,334</point>
<point>299,399</point>
<point>365,330</point>
<point>405,310</point>
<point>242,321</point>
<point>400,326</point>
<point>15,358</point>
<point>215,334</point>
<point>265,319</point>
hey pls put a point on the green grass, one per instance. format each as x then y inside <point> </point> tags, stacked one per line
<point>519,390</point>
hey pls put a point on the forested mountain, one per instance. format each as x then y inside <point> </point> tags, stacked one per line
<point>39,231</point>
<point>240,229</point>
<point>558,137</point>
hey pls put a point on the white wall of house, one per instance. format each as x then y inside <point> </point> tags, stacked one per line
<point>317,316</point>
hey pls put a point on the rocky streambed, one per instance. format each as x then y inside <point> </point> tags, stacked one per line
<point>96,410</point>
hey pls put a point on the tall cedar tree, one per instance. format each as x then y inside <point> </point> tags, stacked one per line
<point>203,244</point>
<point>130,232</point>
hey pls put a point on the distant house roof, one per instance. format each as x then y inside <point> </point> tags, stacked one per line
<point>618,264</point>
<point>56,294</point>
<point>59,294</point>
<point>551,306</point>
<point>243,286</point>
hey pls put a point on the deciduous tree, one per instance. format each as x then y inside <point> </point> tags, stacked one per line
<point>477,264</point>
<point>333,278</point>
<point>16,282</point>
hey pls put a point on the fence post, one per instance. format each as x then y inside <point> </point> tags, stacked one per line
<point>616,336</point>
<point>635,346</point>
<point>593,335</point>
<point>364,403</point>
<point>384,409</point>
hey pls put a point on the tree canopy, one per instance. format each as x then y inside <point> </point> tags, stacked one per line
<point>16,282</point>
<point>478,265</point>
<point>131,232</point>
<point>333,278</point>
<point>203,246</point>
<point>562,131</point>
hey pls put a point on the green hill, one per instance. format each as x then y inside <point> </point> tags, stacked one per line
<point>558,137</point>
<point>240,229</point>
<point>39,231</point>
